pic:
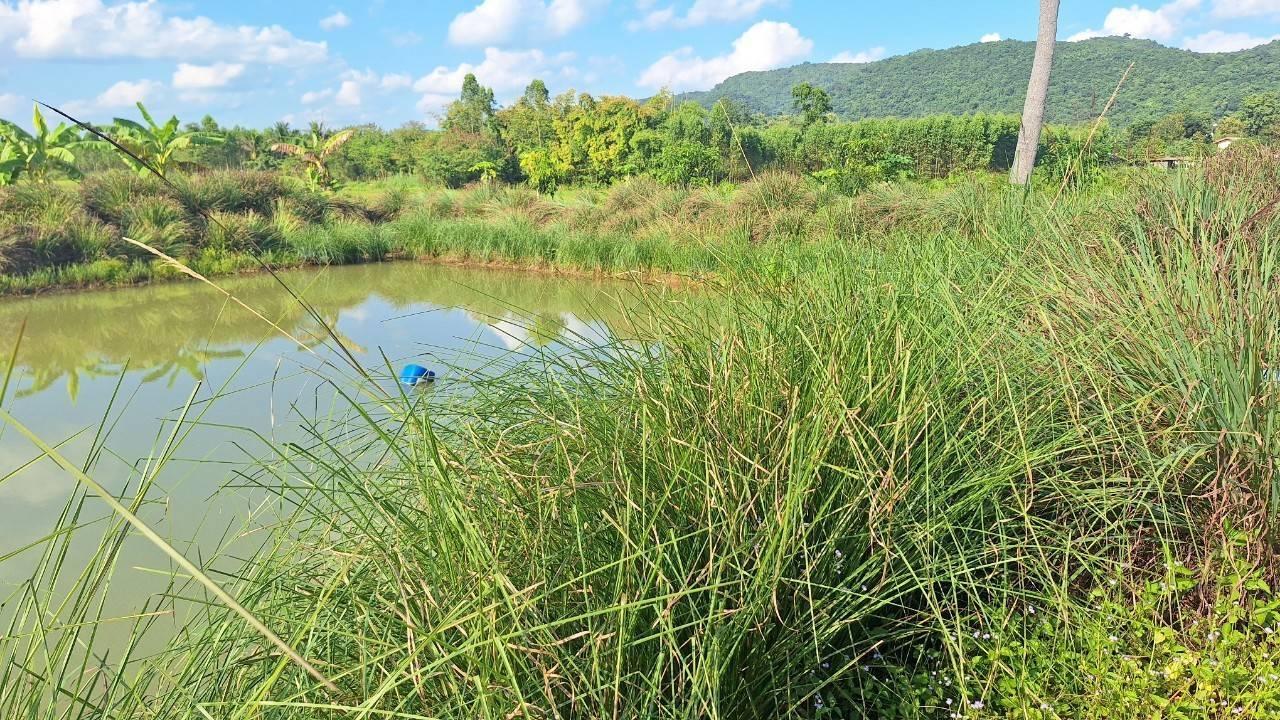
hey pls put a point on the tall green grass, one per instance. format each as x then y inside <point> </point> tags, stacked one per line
<point>1019,465</point>
<point>60,236</point>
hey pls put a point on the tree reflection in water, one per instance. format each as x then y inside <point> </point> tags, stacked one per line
<point>171,331</point>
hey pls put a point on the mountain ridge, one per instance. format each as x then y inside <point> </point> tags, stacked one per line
<point>992,78</point>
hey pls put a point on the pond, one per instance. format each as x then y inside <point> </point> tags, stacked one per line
<point>106,375</point>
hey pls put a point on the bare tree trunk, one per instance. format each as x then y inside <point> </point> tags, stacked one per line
<point>1033,110</point>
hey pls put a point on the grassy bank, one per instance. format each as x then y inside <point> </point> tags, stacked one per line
<point>71,236</point>
<point>989,455</point>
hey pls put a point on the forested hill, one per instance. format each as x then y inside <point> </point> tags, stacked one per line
<point>992,77</point>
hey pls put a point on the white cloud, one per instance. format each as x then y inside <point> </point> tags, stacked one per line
<point>505,71</point>
<point>335,21</point>
<point>858,58</point>
<point>991,37</point>
<point>352,85</point>
<point>202,77</point>
<point>125,93</point>
<point>763,46</point>
<point>495,21</point>
<point>348,93</point>
<point>654,20</point>
<point>434,103</point>
<point>502,70</point>
<point>1245,8</point>
<point>701,12</point>
<point>59,29</point>
<point>1086,35</point>
<point>396,81</point>
<point>705,11</point>
<point>1217,41</point>
<point>315,96</point>
<point>1159,24</point>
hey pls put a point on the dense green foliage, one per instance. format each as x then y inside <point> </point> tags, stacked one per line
<point>985,453</point>
<point>578,139</point>
<point>992,78</point>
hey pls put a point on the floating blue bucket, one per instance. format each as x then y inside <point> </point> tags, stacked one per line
<point>414,374</point>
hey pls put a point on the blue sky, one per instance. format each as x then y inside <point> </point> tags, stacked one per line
<point>392,61</point>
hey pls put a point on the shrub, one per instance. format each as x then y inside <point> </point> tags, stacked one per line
<point>44,225</point>
<point>109,196</point>
<point>241,232</point>
<point>519,204</point>
<point>80,239</point>
<point>232,192</point>
<point>341,242</point>
<point>159,222</point>
<point>307,204</point>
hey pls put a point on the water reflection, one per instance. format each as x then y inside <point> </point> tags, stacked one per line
<point>171,332</point>
<point>134,356</point>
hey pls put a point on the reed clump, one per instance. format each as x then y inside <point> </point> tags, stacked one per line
<point>1019,465</point>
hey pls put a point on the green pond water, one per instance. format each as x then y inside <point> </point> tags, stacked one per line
<point>134,356</point>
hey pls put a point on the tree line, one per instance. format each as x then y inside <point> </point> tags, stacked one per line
<point>578,139</point>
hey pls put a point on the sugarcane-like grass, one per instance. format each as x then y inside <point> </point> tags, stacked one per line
<point>912,475</point>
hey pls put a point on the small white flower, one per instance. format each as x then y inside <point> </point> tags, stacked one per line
<point>986,636</point>
<point>948,701</point>
<point>976,705</point>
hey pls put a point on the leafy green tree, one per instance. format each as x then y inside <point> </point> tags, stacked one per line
<point>687,163</point>
<point>811,103</point>
<point>529,124</point>
<point>254,148</point>
<point>486,170</point>
<point>36,155</point>
<point>536,94</point>
<point>1260,114</point>
<point>540,167</point>
<point>448,157</point>
<point>160,147</point>
<point>315,151</point>
<point>1229,126</point>
<point>594,138</point>
<point>473,111</point>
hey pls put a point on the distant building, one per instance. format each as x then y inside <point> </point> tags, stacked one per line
<point>1170,163</point>
<point>1226,142</point>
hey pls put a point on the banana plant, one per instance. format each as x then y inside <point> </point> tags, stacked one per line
<point>314,151</point>
<point>34,155</point>
<point>8,163</point>
<point>158,146</point>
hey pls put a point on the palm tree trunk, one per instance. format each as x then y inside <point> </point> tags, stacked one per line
<point>1024,160</point>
